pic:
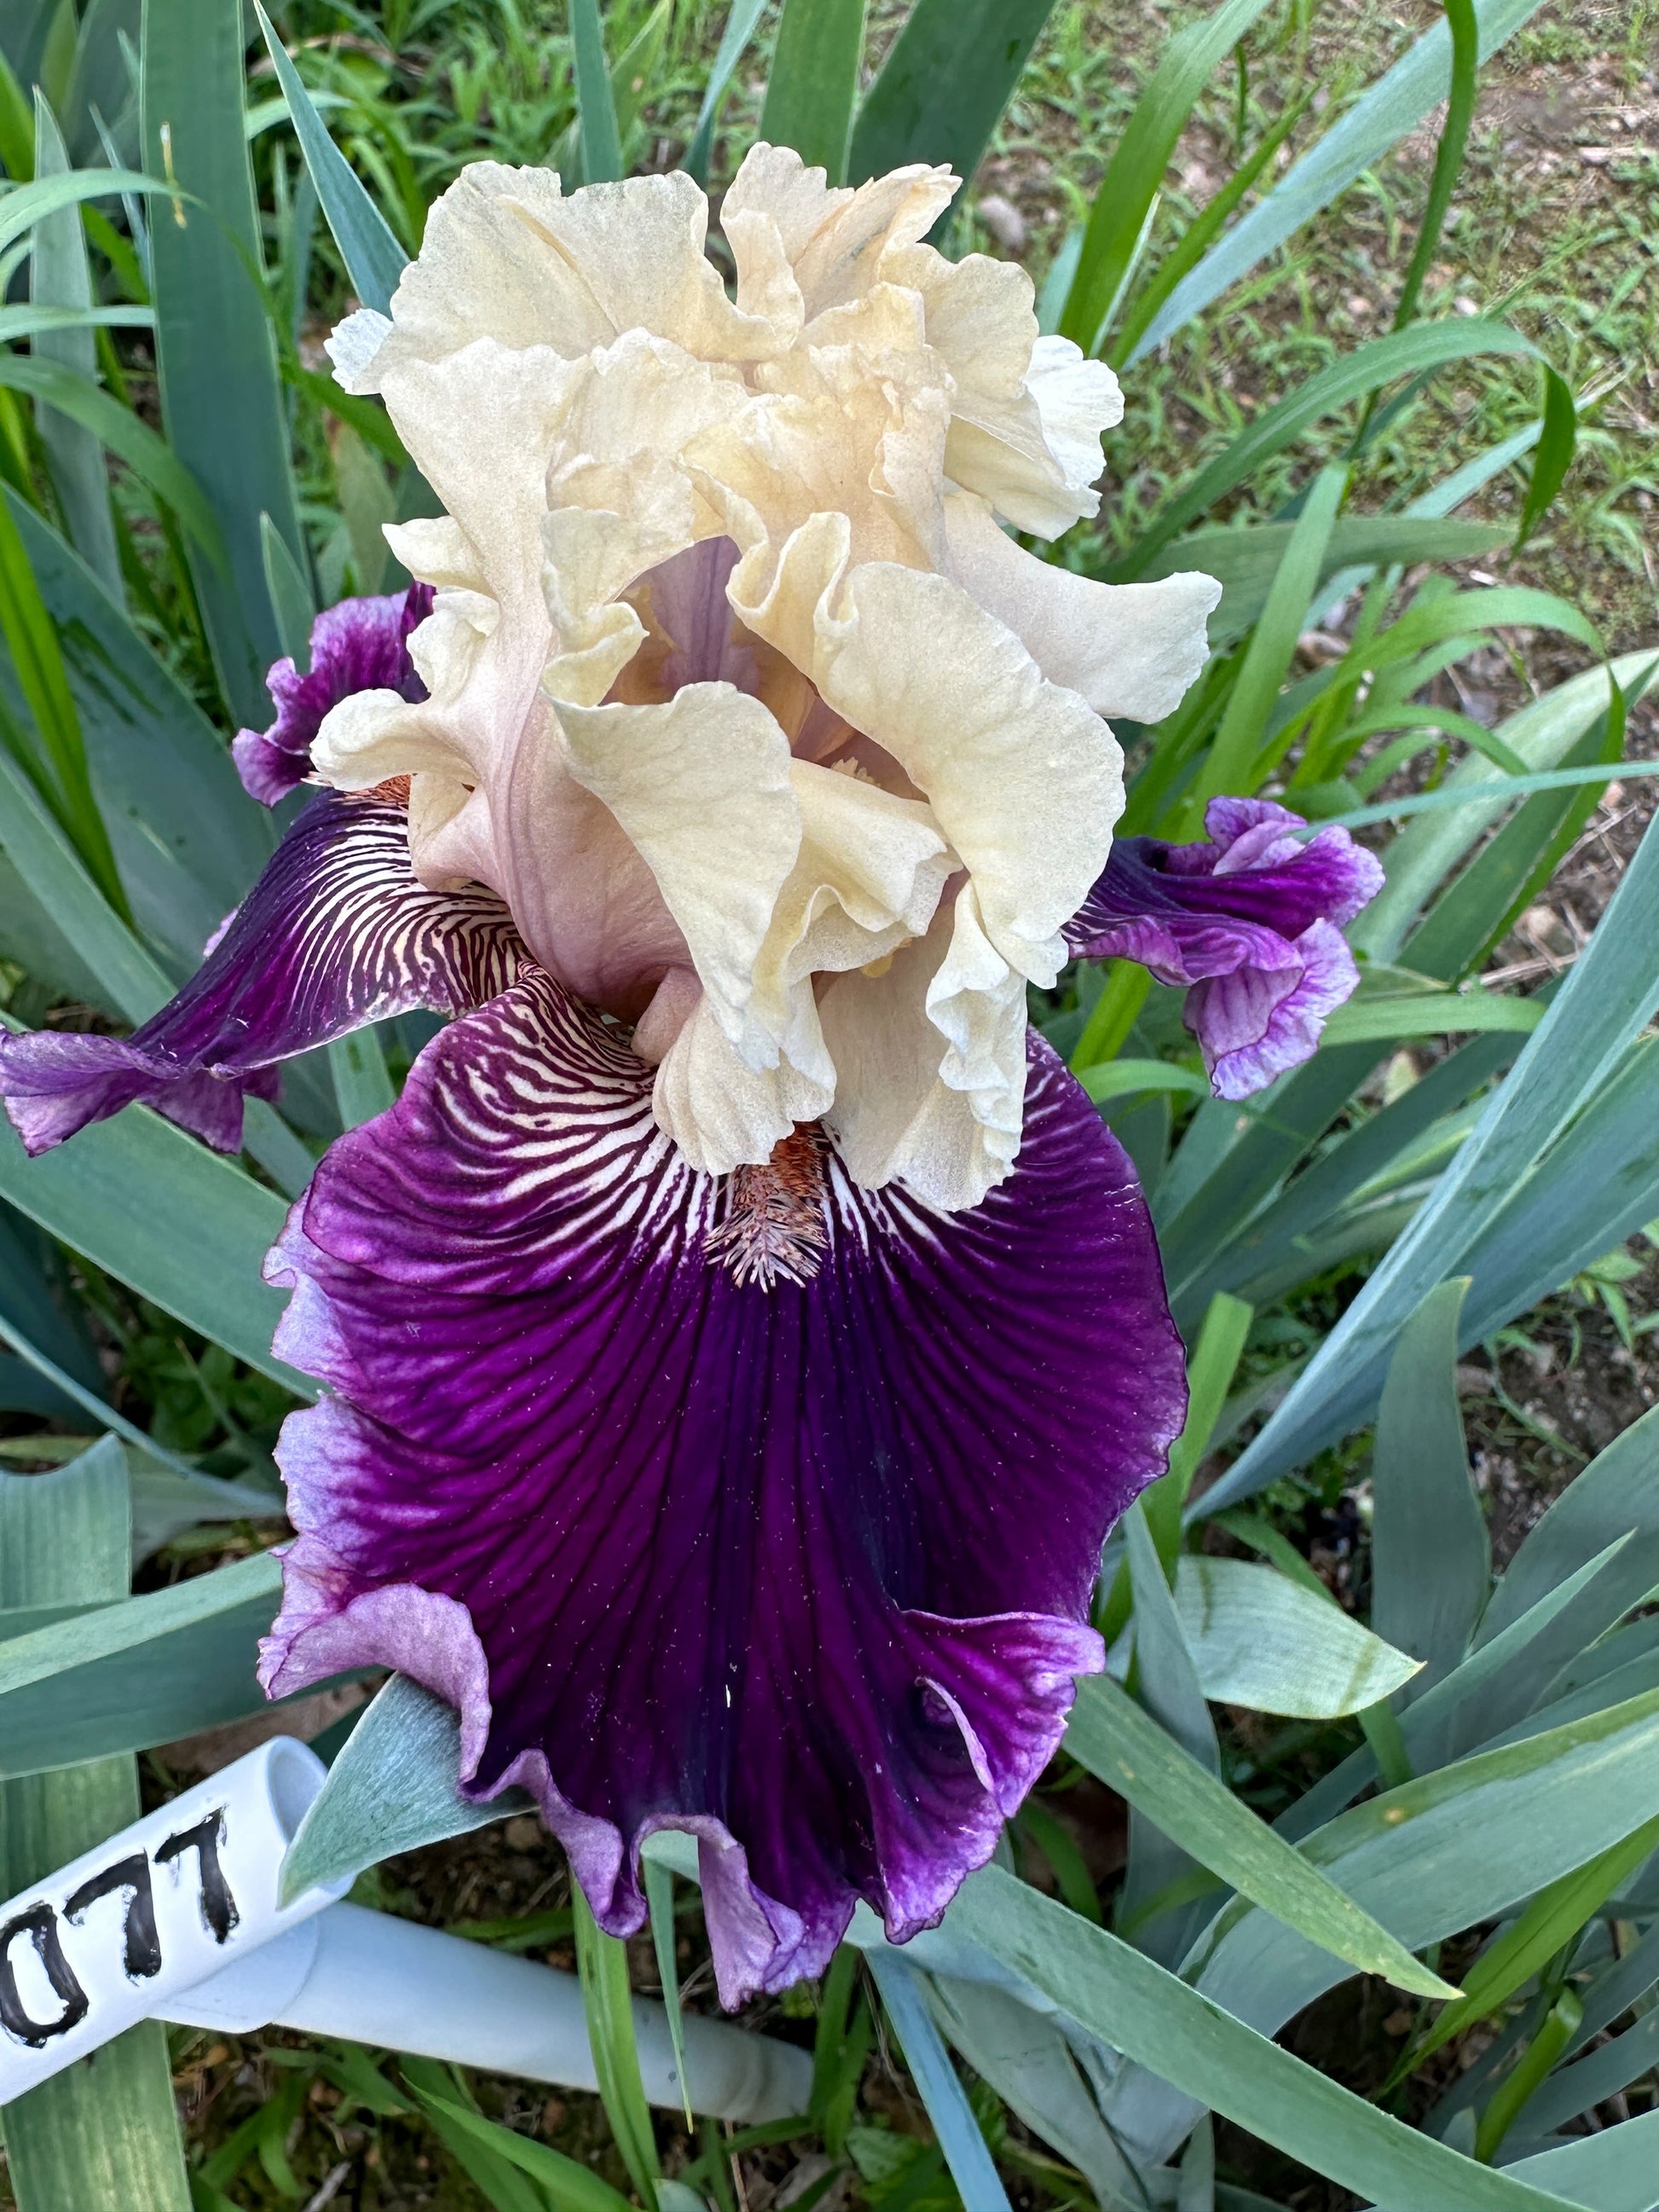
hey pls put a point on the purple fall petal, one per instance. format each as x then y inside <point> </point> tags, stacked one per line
<point>361,645</point>
<point>337,932</point>
<point>1249,922</point>
<point>53,1082</point>
<point>803,1570</point>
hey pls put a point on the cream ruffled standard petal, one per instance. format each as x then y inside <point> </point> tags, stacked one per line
<point>1022,777</point>
<point>1028,412</point>
<point>854,430</point>
<point>930,1062</point>
<point>1077,400</point>
<point>698,549</point>
<point>832,240</point>
<point>492,800</point>
<point>701,784</point>
<point>748,1058</point>
<point>486,421</point>
<point>599,436</point>
<point>509,255</point>
<point>372,735</point>
<point>867,879</point>
<point>1129,649</point>
<point>354,347</point>
<point>375,735</point>
<point>722,1113</point>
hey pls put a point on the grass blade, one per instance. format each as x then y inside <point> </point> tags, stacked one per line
<point>58,771</point>
<point>1449,156</point>
<point>187,841</point>
<point>564,2183</point>
<point>942,89</point>
<point>1492,798</point>
<point>1230,763</point>
<point>1246,558</point>
<point>215,359</point>
<point>1125,1748</point>
<point>659,1902</point>
<point>1557,439</point>
<point>1264,1640</point>
<point>1402,353</point>
<point>25,322</point>
<point>1430,1559</point>
<point>734,40</point>
<point>1559,2026</point>
<point>1204,226</point>
<point>1588,1028</point>
<point>1421,858</point>
<point>1135,171</point>
<point>440,2090</point>
<point>1611,2173</point>
<point>1159,1870</point>
<point>1376,1154</point>
<point>596,106</point>
<point>1124,1079</point>
<point>602,1963</point>
<point>142,1672</point>
<point>132,985</point>
<point>1615,2066</point>
<point>374,258</point>
<point>972,2167</point>
<point>1393,105</point>
<point>1215,1359</point>
<point>290,595</point>
<point>1444,1853</point>
<point>28,204</point>
<point>59,276</point>
<point>129,439</point>
<point>1499,1680</point>
<point>1114,1991</point>
<point>1597,1187</point>
<point>1613,1497</point>
<point>234,1502</point>
<point>103,2138</point>
<point>815,81</point>
<point>16,133</point>
<point>1549,1922</point>
<point>1209,1372</point>
<point>1387,1019</point>
<point>32,1283</point>
<point>1454,614</point>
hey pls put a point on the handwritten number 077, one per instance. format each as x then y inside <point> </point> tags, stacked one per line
<point>141,1951</point>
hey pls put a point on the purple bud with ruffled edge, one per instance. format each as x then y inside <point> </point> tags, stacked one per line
<point>361,645</point>
<point>1250,922</point>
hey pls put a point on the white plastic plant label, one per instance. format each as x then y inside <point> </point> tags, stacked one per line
<point>177,1897</point>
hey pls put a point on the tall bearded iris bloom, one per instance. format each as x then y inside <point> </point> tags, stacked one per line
<point>742,1333</point>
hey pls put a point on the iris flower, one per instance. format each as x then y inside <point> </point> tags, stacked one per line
<point>741,1334</point>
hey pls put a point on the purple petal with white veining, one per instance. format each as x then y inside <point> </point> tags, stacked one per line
<point>1254,1022</point>
<point>804,1571</point>
<point>1249,922</point>
<point>337,932</point>
<point>361,645</point>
